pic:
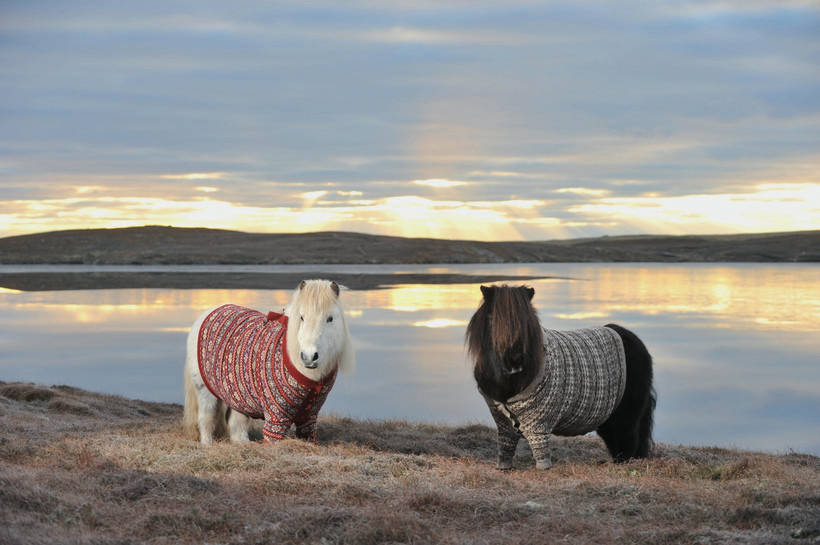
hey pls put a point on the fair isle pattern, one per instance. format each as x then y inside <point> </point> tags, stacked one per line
<point>581,384</point>
<point>244,362</point>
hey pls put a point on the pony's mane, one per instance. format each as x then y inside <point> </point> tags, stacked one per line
<point>509,317</point>
<point>504,320</point>
<point>315,297</point>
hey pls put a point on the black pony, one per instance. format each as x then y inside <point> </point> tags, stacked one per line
<point>538,382</point>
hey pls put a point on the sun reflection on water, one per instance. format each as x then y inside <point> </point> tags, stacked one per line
<point>763,297</point>
<point>756,296</point>
<point>419,297</point>
<point>440,322</point>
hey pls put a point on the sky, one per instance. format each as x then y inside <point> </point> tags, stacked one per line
<point>511,120</point>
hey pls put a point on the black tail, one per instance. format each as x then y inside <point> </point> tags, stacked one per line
<point>628,431</point>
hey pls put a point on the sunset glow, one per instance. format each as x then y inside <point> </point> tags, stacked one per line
<point>194,176</point>
<point>438,182</point>
<point>490,121</point>
<point>768,207</point>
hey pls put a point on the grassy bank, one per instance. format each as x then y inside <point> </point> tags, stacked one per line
<point>78,467</point>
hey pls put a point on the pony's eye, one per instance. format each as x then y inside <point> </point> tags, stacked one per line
<point>302,318</point>
<point>329,319</point>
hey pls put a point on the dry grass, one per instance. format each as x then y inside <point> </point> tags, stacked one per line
<point>77,467</point>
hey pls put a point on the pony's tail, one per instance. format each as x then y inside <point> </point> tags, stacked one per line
<point>190,427</point>
<point>645,441</point>
<point>628,431</point>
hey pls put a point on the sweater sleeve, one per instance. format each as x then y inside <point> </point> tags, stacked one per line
<point>306,421</point>
<point>536,424</point>
<point>274,428</point>
<point>538,439</point>
<point>507,438</point>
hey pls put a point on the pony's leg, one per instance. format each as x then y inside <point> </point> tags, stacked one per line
<point>307,431</point>
<point>507,436</point>
<point>539,441</point>
<point>210,413</point>
<point>202,409</point>
<point>620,436</point>
<point>238,427</point>
<point>537,433</point>
<point>190,411</point>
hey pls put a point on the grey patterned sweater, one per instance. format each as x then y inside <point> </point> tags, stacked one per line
<point>579,386</point>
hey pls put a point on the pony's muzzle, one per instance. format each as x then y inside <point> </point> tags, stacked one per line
<point>311,362</point>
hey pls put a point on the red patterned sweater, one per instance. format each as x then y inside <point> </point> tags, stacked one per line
<point>243,360</point>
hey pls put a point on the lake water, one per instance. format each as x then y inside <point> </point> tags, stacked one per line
<point>736,346</point>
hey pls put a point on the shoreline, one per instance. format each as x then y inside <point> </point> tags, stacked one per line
<point>240,280</point>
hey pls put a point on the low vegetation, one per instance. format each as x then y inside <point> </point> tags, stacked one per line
<point>79,467</point>
<point>153,245</point>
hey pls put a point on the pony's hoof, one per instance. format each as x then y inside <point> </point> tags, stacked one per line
<point>504,466</point>
<point>543,464</point>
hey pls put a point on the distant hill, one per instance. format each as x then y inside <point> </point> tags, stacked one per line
<point>153,245</point>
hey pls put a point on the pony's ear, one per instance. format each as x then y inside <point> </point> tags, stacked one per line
<point>530,293</point>
<point>302,285</point>
<point>488,292</point>
<point>335,287</point>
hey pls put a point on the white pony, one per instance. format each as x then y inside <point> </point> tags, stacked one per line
<point>244,364</point>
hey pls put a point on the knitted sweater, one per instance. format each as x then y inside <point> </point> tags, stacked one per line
<point>579,386</point>
<point>244,362</point>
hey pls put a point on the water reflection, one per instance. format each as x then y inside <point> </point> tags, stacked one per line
<point>416,297</point>
<point>440,322</point>
<point>759,296</point>
<point>735,345</point>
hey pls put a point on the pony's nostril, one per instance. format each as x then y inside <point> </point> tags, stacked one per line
<point>315,356</point>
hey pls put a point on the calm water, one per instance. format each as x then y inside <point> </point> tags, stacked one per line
<point>736,346</point>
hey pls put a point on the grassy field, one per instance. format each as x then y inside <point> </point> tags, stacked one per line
<point>79,467</point>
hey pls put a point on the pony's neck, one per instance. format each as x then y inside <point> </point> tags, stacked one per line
<point>529,389</point>
<point>495,384</point>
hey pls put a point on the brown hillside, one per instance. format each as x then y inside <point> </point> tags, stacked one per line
<point>170,245</point>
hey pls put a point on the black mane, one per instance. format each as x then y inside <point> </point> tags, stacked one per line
<point>505,341</point>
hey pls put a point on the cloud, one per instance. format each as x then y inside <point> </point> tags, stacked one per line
<point>583,191</point>
<point>313,196</point>
<point>768,207</point>
<point>702,8</point>
<point>194,176</point>
<point>437,36</point>
<point>83,189</point>
<point>439,182</point>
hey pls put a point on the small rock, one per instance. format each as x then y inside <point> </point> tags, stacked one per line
<point>804,533</point>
